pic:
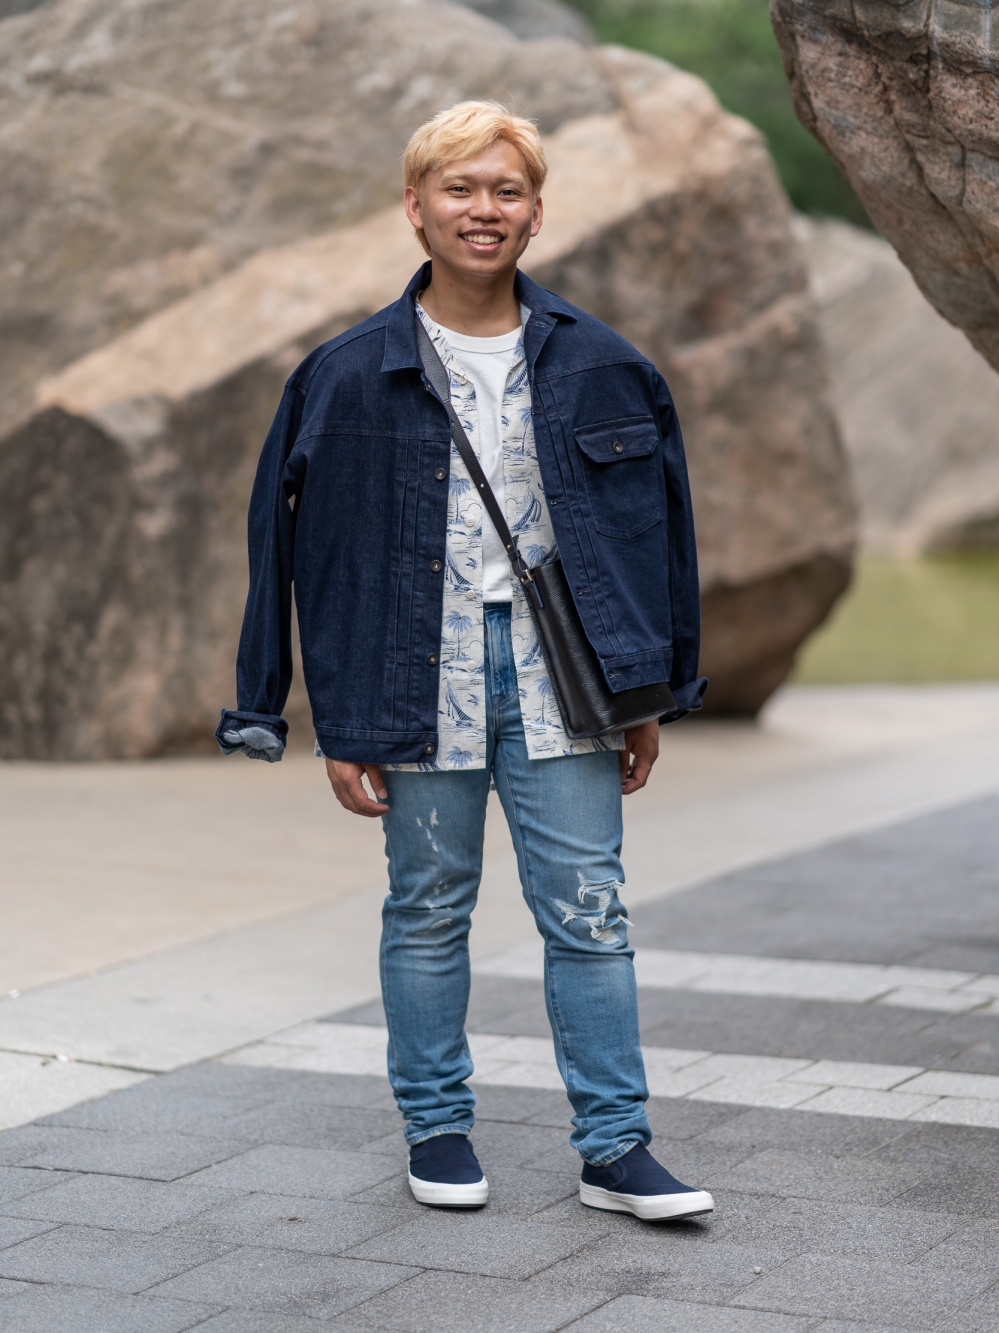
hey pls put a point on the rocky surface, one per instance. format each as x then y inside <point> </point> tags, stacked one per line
<point>906,99</point>
<point>125,481</point>
<point>918,406</point>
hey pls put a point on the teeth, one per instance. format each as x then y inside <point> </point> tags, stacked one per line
<point>480,238</point>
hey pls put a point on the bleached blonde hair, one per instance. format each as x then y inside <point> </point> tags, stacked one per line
<point>465,130</point>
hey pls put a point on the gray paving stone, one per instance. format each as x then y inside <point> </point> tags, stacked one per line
<point>941,1147</point>
<point>918,891</point>
<point>962,1190</point>
<point>975,1244</point>
<point>458,1302</point>
<point>315,1173</point>
<point>473,1242</point>
<point>62,1309</point>
<point>665,1261</point>
<point>17,1181</point>
<point>157,1105</point>
<point>639,1314</point>
<point>903,1295</point>
<point>9,1288</point>
<point>15,1229</point>
<point>767,1127</point>
<point>314,1125</point>
<point>17,1144</point>
<point>246,1321</point>
<point>118,1260</point>
<point>536,1106</point>
<point>978,1316</point>
<point>289,1222</point>
<point>498,1143</point>
<point>818,1030</point>
<point>119,1203</point>
<point>155,1156</point>
<point>292,1086</point>
<point>673,1118</point>
<point>816,1176</point>
<point>285,1281</point>
<point>796,1227</point>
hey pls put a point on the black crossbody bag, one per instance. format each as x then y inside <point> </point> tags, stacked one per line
<point>588,706</point>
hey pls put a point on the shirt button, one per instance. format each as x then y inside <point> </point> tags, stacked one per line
<point>469,522</point>
<point>429,749</point>
<point>431,659</point>
<point>440,473</point>
<point>436,566</point>
<point>618,447</point>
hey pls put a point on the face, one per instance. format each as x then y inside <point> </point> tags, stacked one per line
<point>478,215</point>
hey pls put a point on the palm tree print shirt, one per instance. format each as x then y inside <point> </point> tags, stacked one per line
<point>461,708</point>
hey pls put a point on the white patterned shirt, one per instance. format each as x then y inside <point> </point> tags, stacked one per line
<point>461,708</point>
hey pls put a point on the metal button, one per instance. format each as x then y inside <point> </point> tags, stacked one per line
<point>436,566</point>
<point>440,473</point>
<point>618,447</point>
<point>429,749</point>
<point>431,659</point>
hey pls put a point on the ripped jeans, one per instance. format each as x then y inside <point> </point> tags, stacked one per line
<point>565,819</point>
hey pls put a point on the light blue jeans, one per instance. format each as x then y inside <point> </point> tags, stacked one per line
<point>565,818</point>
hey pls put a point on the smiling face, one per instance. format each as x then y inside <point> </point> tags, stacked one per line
<point>477,215</point>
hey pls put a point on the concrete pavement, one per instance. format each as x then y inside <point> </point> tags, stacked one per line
<point>818,969</point>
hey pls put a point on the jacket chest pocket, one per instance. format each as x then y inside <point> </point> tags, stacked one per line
<point>621,466</point>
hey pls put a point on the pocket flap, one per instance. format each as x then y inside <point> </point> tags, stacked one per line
<point>614,441</point>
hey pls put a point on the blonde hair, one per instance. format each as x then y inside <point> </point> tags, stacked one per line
<point>464,131</point>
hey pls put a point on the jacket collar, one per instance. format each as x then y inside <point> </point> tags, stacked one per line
<point>402,353</point>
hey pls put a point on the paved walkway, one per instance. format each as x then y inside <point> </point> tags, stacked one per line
<point>828,1021</point>
<point>203,1137</point>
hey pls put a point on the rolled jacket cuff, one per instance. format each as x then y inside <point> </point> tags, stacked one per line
<point>257,735</point>
<point>688,698</point>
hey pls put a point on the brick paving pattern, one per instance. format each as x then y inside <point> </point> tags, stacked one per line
<point>234,1196</point>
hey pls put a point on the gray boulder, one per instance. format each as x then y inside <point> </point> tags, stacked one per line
<point>125,471</point>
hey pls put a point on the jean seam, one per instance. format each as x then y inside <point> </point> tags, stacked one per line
<point>439,1132</point>
<point>616,1155</point>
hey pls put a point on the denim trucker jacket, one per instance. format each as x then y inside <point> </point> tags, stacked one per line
<point>350,506</point>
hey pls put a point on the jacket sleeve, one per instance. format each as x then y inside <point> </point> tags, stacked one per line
<point>688,688</point>
<point>263,665</point>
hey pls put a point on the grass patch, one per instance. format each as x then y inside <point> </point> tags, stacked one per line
<point>731,45</point>
<point>917,620</point>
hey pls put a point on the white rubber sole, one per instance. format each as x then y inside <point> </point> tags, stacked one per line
<point>439,1195</point>
<point>649,1207</point>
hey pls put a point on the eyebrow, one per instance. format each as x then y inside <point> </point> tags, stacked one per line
<point>460,177</point>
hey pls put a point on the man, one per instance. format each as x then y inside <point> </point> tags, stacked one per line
<point>420,657</point>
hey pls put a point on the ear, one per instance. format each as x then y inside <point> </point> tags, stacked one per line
<point>414,208</point>
<point>538,216</point>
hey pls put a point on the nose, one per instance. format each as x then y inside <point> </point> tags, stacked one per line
<point>483,206</point>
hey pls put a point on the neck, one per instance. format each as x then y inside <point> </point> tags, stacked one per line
<point>479,307</point>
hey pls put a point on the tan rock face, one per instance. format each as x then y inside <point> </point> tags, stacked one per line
<point>122,549</point>
<point>906,99</point>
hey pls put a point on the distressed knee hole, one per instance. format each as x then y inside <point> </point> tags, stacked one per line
<point>599,910</point>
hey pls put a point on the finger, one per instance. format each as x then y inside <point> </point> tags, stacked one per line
<point>624,760</point>
<point>352,796</point>
<point>374,774</point>
<point>638,775</point>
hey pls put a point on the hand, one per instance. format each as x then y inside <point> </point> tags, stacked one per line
<point>642,743</point>
<point>348,788</point>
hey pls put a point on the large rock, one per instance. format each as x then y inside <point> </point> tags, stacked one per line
<point>905,96</point>
<point>918,406</point>
<point>122,559</point>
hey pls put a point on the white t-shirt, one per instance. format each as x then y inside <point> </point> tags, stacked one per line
<point>487,362</point>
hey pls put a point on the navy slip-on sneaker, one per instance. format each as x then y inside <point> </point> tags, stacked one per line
<point>444,1172</point>
<point>637,1184</point>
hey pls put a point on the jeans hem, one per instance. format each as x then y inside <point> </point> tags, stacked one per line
<point>613,1157</point>
<point>436,1133</point>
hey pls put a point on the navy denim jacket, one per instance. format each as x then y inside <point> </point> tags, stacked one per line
<point>350,506</point>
